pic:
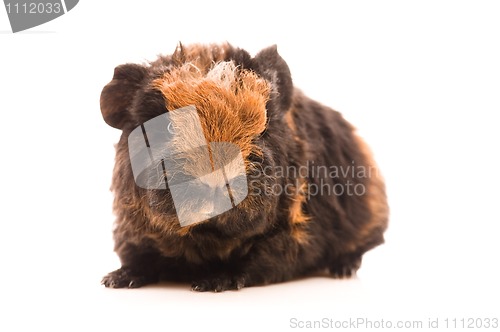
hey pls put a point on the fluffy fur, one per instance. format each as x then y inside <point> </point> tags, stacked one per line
<point>270,236</point>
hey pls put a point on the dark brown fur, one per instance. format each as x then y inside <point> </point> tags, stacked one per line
<point>269,237</point>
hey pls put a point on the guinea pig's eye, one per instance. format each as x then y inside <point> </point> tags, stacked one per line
<point>157,131</point>
<point>170,128</point>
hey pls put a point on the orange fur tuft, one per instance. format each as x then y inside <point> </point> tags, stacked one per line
<point>231,103</point>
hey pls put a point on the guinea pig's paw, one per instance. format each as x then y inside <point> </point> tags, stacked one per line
<point>342,272</point>
<point>219,284</point>
<point>345,268</point>
<point>123,278</point>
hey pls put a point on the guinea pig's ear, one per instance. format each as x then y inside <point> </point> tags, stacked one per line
<point>118,95</point>
<point>271,66</point>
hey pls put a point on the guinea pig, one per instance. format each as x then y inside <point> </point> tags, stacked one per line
<point>313,200</point>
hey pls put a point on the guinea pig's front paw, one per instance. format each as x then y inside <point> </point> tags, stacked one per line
<point>219,284</point>
<point>124,278</point>
<point>345,267</point>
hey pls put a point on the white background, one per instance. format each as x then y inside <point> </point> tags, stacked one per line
<point>421,81</point>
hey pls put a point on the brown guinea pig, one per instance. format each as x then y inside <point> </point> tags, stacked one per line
<point>312,198</point>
